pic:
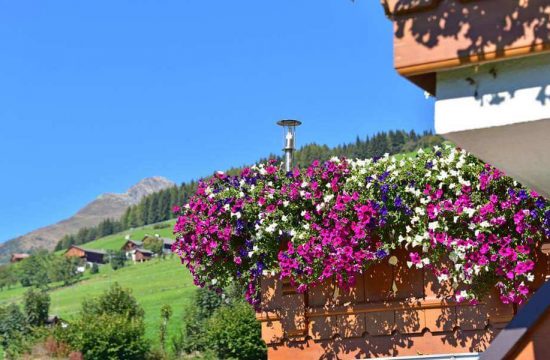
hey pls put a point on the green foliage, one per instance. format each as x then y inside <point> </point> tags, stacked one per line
<point>94,269</point>
<point>33,271</point>
<point>154,244</point>
<point>233,333</point>
<point>106,336</point>
<point>152,284</point>
<point>36,305</point>
<point>220,327</point>
<point>19,330</point>
<point>8,276</point>
<point>13,329</point>
<point>391,142</point>
<point>118,259</point>
<point>206,302</point>
<point>165,314</point>
<point>84,235</point>
<point>64,269</point>
<point>110,327</point>
<point>191,338</point>
<point>115,301</point>
<point>162,225</point>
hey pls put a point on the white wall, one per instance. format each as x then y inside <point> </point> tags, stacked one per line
<point>501,115</point>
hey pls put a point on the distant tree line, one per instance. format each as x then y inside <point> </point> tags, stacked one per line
<point>158,206</point>
<point>392,142</point>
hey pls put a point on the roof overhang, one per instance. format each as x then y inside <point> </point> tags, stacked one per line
<point>437,35</point>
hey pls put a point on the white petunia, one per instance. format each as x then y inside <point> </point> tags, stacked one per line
<point>469,211</point>
<point>271,228</point>
<point>442,176</point>
<point>453,257</point>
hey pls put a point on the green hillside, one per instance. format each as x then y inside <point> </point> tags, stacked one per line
<point>114,242</point>
<point>153,283</point>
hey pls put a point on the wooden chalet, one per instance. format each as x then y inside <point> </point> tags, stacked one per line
<point>141,255</point>
<point>90,256</point>
<point>131,245</point>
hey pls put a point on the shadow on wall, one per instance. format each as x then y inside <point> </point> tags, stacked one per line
<point>494,84</point>
<point>431,35</point>
<point>474,21</point>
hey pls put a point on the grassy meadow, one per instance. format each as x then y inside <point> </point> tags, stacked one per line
<point>154,283</point>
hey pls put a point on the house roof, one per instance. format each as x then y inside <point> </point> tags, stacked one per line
<point>528,316</point>
<point>144,251</point>
<point>17,256</point>
<point>167,241</point>
<point>135,242</point>
<point>92,251</point>
<point>401,7</point>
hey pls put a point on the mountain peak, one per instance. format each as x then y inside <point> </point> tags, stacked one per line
<point>147,186</point>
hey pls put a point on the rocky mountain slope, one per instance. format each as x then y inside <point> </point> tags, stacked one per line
<point>105,206</point>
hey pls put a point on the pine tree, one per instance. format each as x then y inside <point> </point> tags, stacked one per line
<point>153,210</point>
<point>125,220</point>
<point>134,217</point>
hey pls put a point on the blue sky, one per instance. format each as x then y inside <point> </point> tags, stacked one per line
<point>96,95</point>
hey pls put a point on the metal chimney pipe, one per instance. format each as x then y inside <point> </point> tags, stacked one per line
<point>289,128</point>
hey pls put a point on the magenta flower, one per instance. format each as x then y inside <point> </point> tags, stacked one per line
<point>415,258</point>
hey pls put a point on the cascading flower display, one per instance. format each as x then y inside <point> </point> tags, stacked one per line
<point>334,219</point>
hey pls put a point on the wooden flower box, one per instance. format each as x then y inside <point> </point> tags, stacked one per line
<point>392,311</point>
